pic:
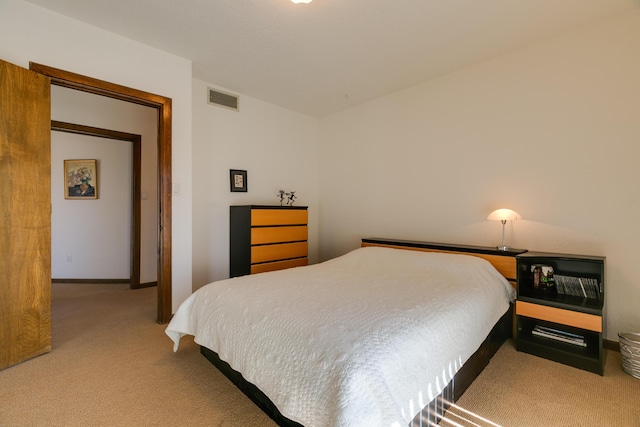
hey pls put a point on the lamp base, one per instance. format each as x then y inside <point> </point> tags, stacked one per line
<point>502,248</point>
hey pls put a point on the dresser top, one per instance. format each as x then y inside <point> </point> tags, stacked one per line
<point>268,207</point>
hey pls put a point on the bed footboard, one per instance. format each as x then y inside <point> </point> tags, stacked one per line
<point>435,410</point>
<point>252,392</point>
<point>432,413</point>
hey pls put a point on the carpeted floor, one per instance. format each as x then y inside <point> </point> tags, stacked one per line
<point>112,365</point>
<point>517,389</point>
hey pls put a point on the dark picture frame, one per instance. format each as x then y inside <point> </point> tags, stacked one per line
<point>238,180</point>
<point>81,179</point>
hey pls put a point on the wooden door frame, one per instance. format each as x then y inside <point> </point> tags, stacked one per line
<point>136,185</point>
<point>163,106</point>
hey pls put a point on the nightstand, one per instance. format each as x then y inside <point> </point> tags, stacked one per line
<point>562,322</point>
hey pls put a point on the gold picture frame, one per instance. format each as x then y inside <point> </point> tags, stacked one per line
<point>81,179</point>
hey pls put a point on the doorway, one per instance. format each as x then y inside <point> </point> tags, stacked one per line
<point>163,107</point>
<point>134,195</point>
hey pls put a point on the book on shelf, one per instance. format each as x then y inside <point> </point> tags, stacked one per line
<point>585,287</point>
<point>559,335</point>
<point>559,332</point>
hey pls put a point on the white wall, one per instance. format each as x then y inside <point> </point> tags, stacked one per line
<point>91,238</point>
<point>30,33</point>
<point>105,252</point>
<point>551,131</point>
<point>277,147</point>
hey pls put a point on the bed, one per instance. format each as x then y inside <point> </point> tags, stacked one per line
<point>381,336</point>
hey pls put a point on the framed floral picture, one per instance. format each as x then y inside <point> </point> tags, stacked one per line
<point>81,179</point>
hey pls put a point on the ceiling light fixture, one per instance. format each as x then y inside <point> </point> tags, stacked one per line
<point>301,1</point>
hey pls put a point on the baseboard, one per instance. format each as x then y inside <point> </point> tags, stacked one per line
<point>90,280</point>
<point>611,345</point>
<point>146,285</point>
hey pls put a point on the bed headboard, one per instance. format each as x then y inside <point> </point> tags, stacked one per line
<point>503,261</point>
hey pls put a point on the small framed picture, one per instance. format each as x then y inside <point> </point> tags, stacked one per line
<point>238,180</point>
<point>81,179</point>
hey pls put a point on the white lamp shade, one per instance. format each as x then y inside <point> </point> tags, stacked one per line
<point>301,1</point>
<point>504,215</point>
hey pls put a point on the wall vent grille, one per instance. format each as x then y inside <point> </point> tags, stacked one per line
<point>221,99</point>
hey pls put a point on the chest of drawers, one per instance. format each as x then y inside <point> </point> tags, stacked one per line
<point>267,238</point>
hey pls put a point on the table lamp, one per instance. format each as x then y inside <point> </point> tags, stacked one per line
<point>503,215</point>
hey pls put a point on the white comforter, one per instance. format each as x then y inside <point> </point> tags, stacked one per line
<point>366,339</point>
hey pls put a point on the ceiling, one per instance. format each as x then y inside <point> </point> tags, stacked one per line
<point>329,55</point>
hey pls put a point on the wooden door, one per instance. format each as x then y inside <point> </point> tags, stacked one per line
<point>25,214</point>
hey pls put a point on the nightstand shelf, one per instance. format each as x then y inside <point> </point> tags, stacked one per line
<point>587,358</point>
<point>558,326</point>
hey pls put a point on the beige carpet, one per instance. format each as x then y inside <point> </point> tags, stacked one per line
<point>112,365</point>
<point>517,389</point>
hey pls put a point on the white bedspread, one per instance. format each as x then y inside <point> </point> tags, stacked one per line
<point>366,339</point>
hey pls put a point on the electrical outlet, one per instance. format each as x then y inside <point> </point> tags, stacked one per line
<point>69,258</point>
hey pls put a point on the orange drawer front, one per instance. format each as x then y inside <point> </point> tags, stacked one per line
<point>279,217</point>
<point>278,252</point>
<point>278,265</point>
<point>262,235</point>
<point>587,321</point>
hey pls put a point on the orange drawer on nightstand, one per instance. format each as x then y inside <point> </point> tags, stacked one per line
<point>587,321</point>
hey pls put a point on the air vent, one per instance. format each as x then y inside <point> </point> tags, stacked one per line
<point>222,99</point>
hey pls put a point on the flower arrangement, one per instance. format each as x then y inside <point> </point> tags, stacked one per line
<point>80,176</point>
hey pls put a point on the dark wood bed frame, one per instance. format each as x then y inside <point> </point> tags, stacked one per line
<point>504,261</point>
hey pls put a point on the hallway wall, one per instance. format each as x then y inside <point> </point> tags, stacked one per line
<point>102,249</point>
